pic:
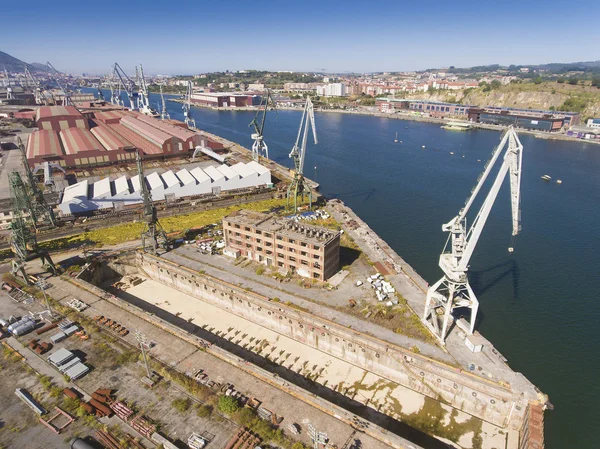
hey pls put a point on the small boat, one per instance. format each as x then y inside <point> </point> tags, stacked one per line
<point>396,139</point>
<point>423,146</point>
<point>546,177</point>
<point>559,181</point>
<point>451,153</point>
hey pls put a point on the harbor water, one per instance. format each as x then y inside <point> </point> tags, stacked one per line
<point>537,304</point>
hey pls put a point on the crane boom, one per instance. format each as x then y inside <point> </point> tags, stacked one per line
<point>127,83</point>
<point>453,290</point>
<point>67,97</point>
<point>298,186</point>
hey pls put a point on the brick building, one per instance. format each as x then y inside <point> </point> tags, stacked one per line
<point>310,251</point>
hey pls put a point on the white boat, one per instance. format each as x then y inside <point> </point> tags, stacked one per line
<point>559,181</point>
<point>396,139</point>
<point>546,177</point>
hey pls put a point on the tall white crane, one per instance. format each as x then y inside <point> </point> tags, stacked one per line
<point>298,186</point>
<point>126,83</point>
<point>143,100</point>
<point>39,97</point>
<point>164,115</point>
<point>453,290</point>
<point>259,147</point>
<point>187,107</point>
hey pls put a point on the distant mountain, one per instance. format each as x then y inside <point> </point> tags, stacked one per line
<point>13,64</point>
<point>40,67</point>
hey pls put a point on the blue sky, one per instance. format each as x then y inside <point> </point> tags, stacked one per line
<point>304,35</point>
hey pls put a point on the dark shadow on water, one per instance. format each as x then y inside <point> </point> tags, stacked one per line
<point>365,194</point>
<point>481,283</point>
<point>365,412</point>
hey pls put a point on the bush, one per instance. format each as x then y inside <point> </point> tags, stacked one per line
<point>204,411</point>
<point>228,404</point>
<point>298,445</point>
<point>181,405</point>
<point>260,270</point>
<point>245,416</point>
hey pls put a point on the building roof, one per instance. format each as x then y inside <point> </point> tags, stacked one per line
<point>228,172</point>
<point>110,116</point>
<point>135,183</point>
<point>147,131</point>
<point>260,169</point>
<point>185,177</point>
<point>154,181</point>
<point>243,170</point>
<point>140,142</point>
<point>283,226</point>
<point>110,139</point>
<point>170,179</point>
<point>200,175</point>
<point>57,111</point>
<point>176,131</point>
<point>60,357</point>
<point>102,188</point>
<point>44,143</point>
<point>214,174</point>
<point>79,140</point>
<point>79,190</point>
<point>121,185</point>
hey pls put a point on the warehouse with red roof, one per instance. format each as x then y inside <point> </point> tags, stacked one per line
<point>59,118</point>
<point>44,145</point>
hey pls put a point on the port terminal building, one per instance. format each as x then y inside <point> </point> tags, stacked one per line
<point>226,99</point>
<point>291,246</point>
<point>533,119</point>
<point>102,136</point>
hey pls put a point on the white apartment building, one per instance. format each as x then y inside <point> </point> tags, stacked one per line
<point>332,90</point>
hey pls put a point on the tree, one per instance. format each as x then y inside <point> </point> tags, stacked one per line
<point>537,80</point>
<point>596,81</point>
<point>560,80</point>
<point>496,84</point>
<point>228,404</point>
<point>573,81</point>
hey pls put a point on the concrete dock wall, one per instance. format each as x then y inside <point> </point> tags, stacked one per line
<point>488,401</point>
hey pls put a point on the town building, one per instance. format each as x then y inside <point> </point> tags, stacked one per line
<point>593,123</point>
<point>332,90</point>
<point>310,251</point>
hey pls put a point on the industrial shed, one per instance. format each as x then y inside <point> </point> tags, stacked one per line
<point>81,198</point>
<point>165,142</point>
<point>110,117</point>
<point>77,199</point>
<point>58,118</point>
<point>111,140</point>
<point>188,139</point>
<point>44,145</point>
<point>82,148</point>
<point>247,175</point>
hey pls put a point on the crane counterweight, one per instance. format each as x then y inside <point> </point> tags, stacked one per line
<point>453,290</point>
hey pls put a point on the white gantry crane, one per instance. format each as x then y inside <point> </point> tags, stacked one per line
<point>259,147</point>
<point>55,74</point>
<point>187,107</point>
<point>298,186</point>
<point>143,101</point>
<point>164,115</point>
<point>453,290</point>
